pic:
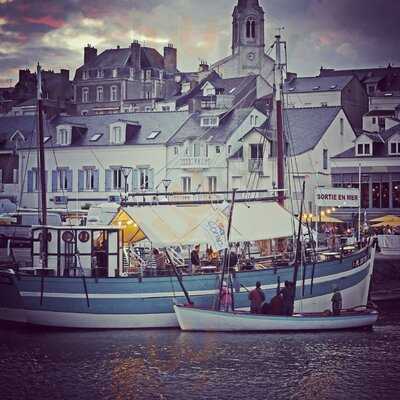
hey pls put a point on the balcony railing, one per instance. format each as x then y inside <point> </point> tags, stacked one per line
<point>256,165</point>
<point>195,162</point>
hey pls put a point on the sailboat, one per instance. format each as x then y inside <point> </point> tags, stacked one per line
<point>77,279</point>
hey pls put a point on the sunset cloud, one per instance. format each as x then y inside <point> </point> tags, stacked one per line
<point>319,32</point>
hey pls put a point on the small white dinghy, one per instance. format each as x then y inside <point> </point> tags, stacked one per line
<point>196,319</point>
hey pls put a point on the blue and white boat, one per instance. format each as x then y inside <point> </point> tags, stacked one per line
<point>78,296</point>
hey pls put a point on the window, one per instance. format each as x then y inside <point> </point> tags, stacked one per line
<point>88,174</point>
<point>212,184</point>
<point>117,179</point>
<point>99,92</point>
<point>371,89</point>
<point>144,179</point>
<point>35,180</point>
<point>147,109</point>
<point>116,135</point>
<point>325,159</point>
<point>114,93</point>
<point>153,135</point>
<point>148,74</point>
<point>365,195</point>
<point>385,195</point>
<point>186,184</point>
<point>209,121</point>
<point>115,73</point>
<point>131,73</point>
<point>381,122</point>
<point>63,137</point>
<point>85,95</point>
<point>166,108</point>
<point>100,73</point>
<point>217,149</point>
<point>176,150</point>
<point>373,120</point>
<point>376,195</point>
<point>229,149</point>
<point>394,148</point>
<point>364,149</point>
<point>341,126</point>
<point>95,137</point>
<point>324,104</point>
<point>196,149</point>
<point>256,151</point>
<point>251,28</point>
<point>85,75</point>
<point>62,179</point>
<point>396,194</point>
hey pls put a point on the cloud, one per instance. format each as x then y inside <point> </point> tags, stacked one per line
<point>340,33</point>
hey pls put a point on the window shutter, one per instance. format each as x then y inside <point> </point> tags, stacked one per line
<point>69,180</point>
<point>30,181</point>
<point>54,175</point>
<point>46,181</point>
<point>135,180</point>
<point>96,180</point>
<point>81,180</point>
<point>108,180</point>
<point>151,178</point>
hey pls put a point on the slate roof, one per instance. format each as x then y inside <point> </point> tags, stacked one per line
<point>324,84</point>
<point>113,58</point>
<point>219,135</point>
<point>26,124</point>
<point>305,127</point>
<point>141,125</point>
<point>380,113</point>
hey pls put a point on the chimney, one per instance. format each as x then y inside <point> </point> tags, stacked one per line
<point>203,67</point>
<point>90,53</point>
<point>290,76</point>
<point>136,62</point>
<point>65,74</point>
<point>170,59</point>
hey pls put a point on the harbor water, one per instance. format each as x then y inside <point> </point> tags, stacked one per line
<point>169,364</point>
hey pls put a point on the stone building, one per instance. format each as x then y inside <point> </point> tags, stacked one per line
<point>124,79</point>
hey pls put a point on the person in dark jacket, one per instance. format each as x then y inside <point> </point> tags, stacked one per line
<point>256,297</point>
<point>336,301</point>
<point>288,298</point>
<point>195,258</point>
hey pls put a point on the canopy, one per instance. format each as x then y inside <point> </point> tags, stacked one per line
<point>167,225</point>
<point>131,231</point>
<point>386,218</point>
<point>325,219</point>
<point>384,224</point>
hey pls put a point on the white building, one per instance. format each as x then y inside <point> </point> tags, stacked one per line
<point>88,158</point>
<point>314,135</point>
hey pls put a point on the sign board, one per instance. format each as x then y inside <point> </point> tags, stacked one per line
<point>337,197</point>
<point>215,231</point>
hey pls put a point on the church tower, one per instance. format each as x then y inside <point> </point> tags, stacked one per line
<point>248,39</point>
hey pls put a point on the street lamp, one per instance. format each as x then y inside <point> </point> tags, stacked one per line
<point>126,171</point>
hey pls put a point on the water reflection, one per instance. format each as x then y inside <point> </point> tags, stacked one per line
<point>174,365</point>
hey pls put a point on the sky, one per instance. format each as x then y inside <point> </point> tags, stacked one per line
<point>329,33</point>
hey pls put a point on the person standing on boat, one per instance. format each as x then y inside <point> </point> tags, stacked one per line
<point>336,301</point>
<point>226,298</point>
<point>195,258</point>
<point>288,298</point>
<point>256,297</point>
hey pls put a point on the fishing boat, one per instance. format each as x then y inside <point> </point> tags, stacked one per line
<point>196,319</point>
<point>78,277</point>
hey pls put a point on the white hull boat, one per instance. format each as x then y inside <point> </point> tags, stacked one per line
<point>195,319</point>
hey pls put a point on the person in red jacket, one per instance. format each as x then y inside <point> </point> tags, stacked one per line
<point>257,298</point>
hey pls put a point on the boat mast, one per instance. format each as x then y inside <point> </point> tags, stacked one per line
<point>41,167</point>
<point>279,120</point>
<point>227,253</point>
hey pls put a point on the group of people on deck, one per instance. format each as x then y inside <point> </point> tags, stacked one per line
<point>281,304</point>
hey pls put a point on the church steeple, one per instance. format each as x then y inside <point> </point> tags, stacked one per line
<point>248,26</point>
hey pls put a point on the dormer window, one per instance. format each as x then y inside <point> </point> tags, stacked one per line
<point>100,73</point>
<point>63,136</point>
<point>364,149</point>
<point>115,73</point>
<point>85,75</point>
<point>117,135</point>
<point>394,148</point>
<point>209,121</point>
